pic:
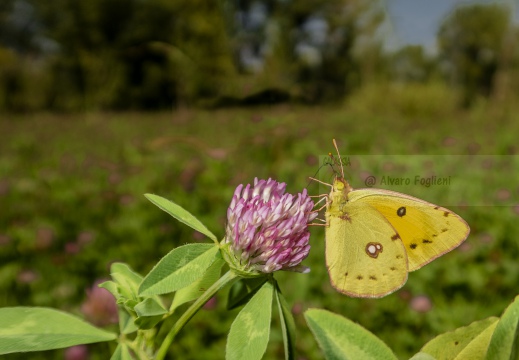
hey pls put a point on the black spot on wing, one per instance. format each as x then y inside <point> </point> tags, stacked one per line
<point>392,268</point>
<point>444,230</point>
<point>401,211</point>
<point>399,256</point>
<point>359,277</point>
<point>427,241</point>
<point>446,213</point>
<point>394,237</point>
<point>372,277</point>
<point>413,246</point>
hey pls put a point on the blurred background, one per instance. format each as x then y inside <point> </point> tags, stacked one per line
<point>102,101</point>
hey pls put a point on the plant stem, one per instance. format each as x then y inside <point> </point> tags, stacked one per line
<point>227,278</point>
<point>136,346</point>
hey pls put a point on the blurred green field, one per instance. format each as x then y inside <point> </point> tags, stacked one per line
<point>71,203</point>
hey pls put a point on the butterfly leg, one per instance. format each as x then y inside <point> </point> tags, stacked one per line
<point>325,197</point>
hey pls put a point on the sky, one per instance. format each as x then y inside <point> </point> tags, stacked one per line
<point>417,21</point>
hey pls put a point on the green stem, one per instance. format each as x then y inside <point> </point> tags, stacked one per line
<point>136,346</point>
<point>227,278</point>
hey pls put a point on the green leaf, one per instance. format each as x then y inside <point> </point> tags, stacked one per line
<point>35,329</point>
<point>149,307</point>
<point>129,305</point>
<point>111,287</point>
<point>126,324</point>
<point>249,334</point>
<point>149,313</point>
<point>341,338</point>
<point>179,268</point>
<point>148,322</point>
<point>180,214</point>
<point>125,270</point>
<point>422,356</point>
<point>466,341</point>
<point>122,352</point>
<point>197,288</point>
<point>478,347</point>
<point>505,340</point>
<point>125,283</point>
<point>129,278</point>
<point>243,290</point>
<point>288,326</point>
<point>128,281</point>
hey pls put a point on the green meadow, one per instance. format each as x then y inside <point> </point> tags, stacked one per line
<point>71,203</point>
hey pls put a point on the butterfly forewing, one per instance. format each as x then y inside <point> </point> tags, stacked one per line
<point>426,230</point>
<point>363,254</point>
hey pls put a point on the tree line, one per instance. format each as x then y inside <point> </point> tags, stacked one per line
<point>72,55</point>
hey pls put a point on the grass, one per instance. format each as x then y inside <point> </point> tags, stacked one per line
<point>71,199</point>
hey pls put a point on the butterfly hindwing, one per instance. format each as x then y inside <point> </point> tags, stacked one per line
<point>363,254</point>
<point>426,230</point>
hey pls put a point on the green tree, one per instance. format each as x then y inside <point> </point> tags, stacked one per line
<point>314,49</point>
<point>412,64</point>
<point>134,54</point>
<point>331,69</point>
<point>471,41</point>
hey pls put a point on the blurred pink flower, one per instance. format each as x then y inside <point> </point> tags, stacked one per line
<point>78,352</point>
<point>256,118</point>
<point>114,178</point>
<point>312,160</point>
<point>421,303</point>
<point>218,154</point>
<point>72,248</point>
<point>449,141</point>
<point>100,307</point>
<point>297,308</point>
<point>211,304</point>
<point>85,237</point>
<point>4,239</point>
<point>27,276</point>
<point>198,236</point>
<point>465,247</point>
<point>44,238</point>
<point>486,238</point>
<point>4,186</point>
<point>503,194</point>
<point>473,148</point>
<point>126,200</point>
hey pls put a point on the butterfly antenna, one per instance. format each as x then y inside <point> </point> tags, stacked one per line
<point>315,175</point>
<point>340,160</point>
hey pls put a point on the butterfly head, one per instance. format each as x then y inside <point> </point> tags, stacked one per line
<point>341,186</point>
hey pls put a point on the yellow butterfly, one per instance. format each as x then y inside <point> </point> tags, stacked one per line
<point>374,237</point>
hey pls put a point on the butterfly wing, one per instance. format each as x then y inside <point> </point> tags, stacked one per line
<point>427,230</point>
<point>362,254</point>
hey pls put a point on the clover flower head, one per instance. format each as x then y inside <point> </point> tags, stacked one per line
<point>267,230</point>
